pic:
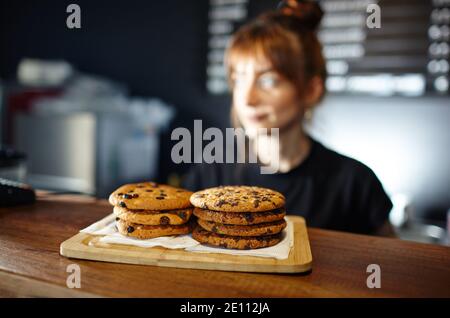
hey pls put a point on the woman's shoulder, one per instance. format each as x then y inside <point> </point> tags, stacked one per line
<point>335,163</point>
<point>368,204</point>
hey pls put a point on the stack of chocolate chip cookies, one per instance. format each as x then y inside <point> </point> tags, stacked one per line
<point>239,217</point>
<point>149,210</point>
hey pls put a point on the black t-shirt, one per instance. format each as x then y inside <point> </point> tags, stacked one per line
<point>330,190</point>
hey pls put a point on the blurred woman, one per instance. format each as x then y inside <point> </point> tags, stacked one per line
<point>277,75</point>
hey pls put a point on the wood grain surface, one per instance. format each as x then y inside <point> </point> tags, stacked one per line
<point>30,264</point>
<point>85,246</point>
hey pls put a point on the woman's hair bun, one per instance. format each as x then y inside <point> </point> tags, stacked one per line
<point>308,13</point>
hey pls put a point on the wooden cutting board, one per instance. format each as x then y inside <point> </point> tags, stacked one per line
<point>85,246</point>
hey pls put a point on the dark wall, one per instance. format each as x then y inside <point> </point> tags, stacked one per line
<point>156,48</point>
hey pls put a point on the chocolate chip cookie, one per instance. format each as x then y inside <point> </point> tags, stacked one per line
<point>148,217</point>
<point>150,196</point>
<point>148,210</point>
<point>240,218</point>
<point>243,230</point>
<point>142,231</point>
<point>234,242</point>
<point>238,199</point>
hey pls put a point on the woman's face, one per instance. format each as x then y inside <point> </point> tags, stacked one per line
<point>262,98</point>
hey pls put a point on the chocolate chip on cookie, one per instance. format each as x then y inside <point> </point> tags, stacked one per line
<point>238,199</point>
<point>164,220</point>
<point>241,243</point>
<point>241,217</point>
<point>153,217</point>
<point>147,209</point>
<point>151,231</point>
<point>243,230</point>
<point>150,196</point>
<point>122,204</point>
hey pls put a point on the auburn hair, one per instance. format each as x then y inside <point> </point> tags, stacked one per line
<point>287,38</point>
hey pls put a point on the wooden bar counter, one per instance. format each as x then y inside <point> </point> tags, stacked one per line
<point>30,264</point>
